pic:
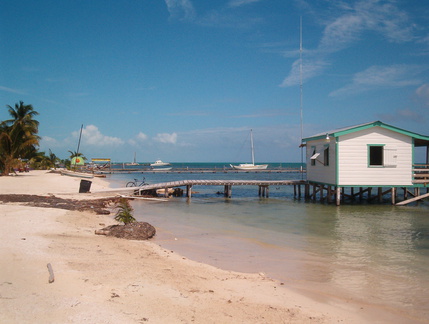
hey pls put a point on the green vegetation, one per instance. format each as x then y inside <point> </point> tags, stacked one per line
<point>18,137</point>
<point>124,213</point>
<point>19,142</point>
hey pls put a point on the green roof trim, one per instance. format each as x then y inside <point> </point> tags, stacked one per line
<point>357,128</point>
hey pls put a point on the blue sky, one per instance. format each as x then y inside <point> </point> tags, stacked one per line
<point>186,80</point>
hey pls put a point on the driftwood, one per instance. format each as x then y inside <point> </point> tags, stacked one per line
<point>51,273</point>
<point>132,231</point>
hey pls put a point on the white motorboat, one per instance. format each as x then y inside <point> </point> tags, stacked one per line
<point>159,163</point>
<point>250,166</point>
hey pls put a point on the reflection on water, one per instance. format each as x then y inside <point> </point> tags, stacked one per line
<point>378,251</point>
<point>373,253</point>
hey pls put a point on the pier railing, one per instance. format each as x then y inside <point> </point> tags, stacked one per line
<point>421,173</point>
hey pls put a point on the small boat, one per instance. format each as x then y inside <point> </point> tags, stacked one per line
<point>250,166</point>
<point>134,162</point>
<point>159,163</point>
<point>77,174</point>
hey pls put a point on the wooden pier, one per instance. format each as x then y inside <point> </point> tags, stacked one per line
<point>312,191</point>
<point>263,186</point>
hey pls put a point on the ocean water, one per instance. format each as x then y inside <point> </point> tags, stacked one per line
<point>367,253</point>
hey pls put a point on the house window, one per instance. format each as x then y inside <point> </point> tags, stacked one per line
<point>313,157</point>
<point>326,156</point>
<point>375,155</point>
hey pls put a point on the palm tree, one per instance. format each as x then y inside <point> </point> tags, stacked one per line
<point>43,162</point>
<point>76,155</point>
<point>53,159</point>
<point>18,136</point>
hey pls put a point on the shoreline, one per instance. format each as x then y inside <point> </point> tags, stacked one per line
<point>109,280</point>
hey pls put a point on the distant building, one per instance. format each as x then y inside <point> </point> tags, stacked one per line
<point>369,155</point>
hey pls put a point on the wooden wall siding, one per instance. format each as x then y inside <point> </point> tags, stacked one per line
<point>319,172</point>
<point>353,158</point>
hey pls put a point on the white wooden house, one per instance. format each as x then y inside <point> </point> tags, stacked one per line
<point>369,155</point>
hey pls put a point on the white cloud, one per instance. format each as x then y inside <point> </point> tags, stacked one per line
<point>347,28</point>
<point>166,138</point>
<point>423,94</point>
<point>310,69</point>
<point>180,9</point>
<point>239,3</point>
<point>12,90</point>
<point>47,143</point>
<point>138,139</point>
<point>393,76</point>
<point>92,136</point>
<point>141,137</point>
<point>402,115</point>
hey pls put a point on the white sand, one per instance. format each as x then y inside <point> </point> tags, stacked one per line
<point>102,279</point>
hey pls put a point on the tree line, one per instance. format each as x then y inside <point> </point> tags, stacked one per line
<point>19,142</point>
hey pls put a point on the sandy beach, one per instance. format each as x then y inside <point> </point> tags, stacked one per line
<point>102,279</point>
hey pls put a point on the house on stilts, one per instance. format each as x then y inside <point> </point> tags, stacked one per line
<point>367,161</point>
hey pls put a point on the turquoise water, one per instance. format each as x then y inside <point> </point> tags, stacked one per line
<point>361,252</point>
<point>209,165</point>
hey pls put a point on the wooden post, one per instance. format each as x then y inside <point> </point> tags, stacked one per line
<point>338,196</point>
<point>189,191</point>
<point>299,191</point>
<point>416,192</point>
<point>380,194</point>
<point>267,191</point>
<point>166,192</point>
<point>329,194</point>
<point>360,193</point>
<point>228,191</point>
<point>393,195</point>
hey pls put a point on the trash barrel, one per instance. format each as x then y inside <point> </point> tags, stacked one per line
<point>85,186</point>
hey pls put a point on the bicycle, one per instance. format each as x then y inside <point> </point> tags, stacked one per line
<point>136,184</point>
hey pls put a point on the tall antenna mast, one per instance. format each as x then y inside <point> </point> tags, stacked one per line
<point>300,93</point>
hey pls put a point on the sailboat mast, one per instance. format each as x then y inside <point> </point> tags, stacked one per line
<point>78,145</point>
<point>251,144</point>
<point>300,92</point>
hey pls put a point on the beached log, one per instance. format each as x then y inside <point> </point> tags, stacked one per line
<point>51,273</point>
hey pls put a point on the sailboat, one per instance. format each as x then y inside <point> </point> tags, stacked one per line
<point>250,166</point>
<point>133,163</point>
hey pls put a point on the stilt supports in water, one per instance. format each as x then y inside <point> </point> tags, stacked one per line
<point>227,191</point>
<point>264,191</point>
<point>328,193</point>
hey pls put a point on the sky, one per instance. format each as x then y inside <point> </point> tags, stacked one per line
<point>186,80</point>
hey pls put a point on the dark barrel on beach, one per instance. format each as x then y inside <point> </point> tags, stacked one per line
<point>85,186</point>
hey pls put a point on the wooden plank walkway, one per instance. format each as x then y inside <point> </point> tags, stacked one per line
<point>262,184</point>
